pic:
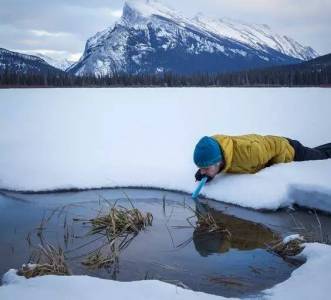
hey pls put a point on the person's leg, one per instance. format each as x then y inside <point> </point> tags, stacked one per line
<point>303,153</point>
<point>326,148</point>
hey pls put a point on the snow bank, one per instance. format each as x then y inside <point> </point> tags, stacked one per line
<point>310,281</point>
<point>89,138</point>
<point>293,237</point>
<point>85,287</point>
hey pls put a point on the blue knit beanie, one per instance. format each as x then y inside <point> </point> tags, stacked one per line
<point>207,152</point>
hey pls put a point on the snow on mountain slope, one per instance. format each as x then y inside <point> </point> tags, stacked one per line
<point>254,35</point>
<point>24,63</point>
<point>257,36</point>
<point>5,52</point>
<point>151,38</point>
<point>61,64</point>
<point>148,8</point>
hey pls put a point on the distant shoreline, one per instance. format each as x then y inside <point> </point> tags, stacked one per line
<point>5,87</point>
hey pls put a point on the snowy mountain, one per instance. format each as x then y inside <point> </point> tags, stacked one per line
<point>152,38</point>
<point>61,64</point>
<point>25,64</point>
<point>256,36</point>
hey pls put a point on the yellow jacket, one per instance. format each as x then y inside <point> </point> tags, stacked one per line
<point>251,153</point>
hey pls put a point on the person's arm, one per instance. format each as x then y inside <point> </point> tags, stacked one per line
<point>271,151</point>
<point>260,156</point>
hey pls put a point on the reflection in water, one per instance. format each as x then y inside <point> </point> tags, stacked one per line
<point>243,268</point>
<point>244,235</point>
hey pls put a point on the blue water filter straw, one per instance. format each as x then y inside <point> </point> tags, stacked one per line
<point>199,188</point>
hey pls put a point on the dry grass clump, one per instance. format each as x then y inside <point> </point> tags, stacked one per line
<point>121,220</point>
<point>119,225</point>
<point>292,248</point>
<point>50,261</point>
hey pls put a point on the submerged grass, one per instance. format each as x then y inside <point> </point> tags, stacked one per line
<point>114,226</point>
<point>224,280</point>
<point>119,225</point>
<point>204,224</point>
<point>98,260</point>
<point>49,261</point>
<point>207,223</point>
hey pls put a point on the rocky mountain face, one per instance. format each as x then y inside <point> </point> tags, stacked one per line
<point>15,62</point>
<point>151,38</point>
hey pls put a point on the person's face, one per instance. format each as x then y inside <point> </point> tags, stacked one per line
<point>211,170</point>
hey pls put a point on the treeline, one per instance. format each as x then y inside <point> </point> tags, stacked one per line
<point>276,76</point>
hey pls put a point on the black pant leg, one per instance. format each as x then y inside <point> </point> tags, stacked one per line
<point>303,153</point>
<point>326,149</point>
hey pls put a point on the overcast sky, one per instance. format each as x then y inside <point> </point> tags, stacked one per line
<point>60,28</point>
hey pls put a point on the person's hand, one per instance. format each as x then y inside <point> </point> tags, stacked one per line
<point>199,176</point>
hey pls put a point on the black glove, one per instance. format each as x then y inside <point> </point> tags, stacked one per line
<point>199,176</point>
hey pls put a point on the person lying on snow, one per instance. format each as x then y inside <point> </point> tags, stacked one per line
<point>250,153</point>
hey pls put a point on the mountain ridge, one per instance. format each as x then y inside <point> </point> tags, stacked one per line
<point>152,38</point>
<point>16,62</point>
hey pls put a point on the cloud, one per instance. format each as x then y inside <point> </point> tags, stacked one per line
<point>65,25</point>
<point>74,56</point>
<point>115,13</point>
<point>55,54</point>
<point>42,33</point>
<point>60,27</point>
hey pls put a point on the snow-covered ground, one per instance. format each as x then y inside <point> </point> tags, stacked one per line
<point>85,287</point>
<point>89,138</point>
<point>310,281</point>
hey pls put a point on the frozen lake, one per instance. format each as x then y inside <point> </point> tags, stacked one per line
<point>64,139</point>
<point>86,138</point>
<point>170,250</point>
